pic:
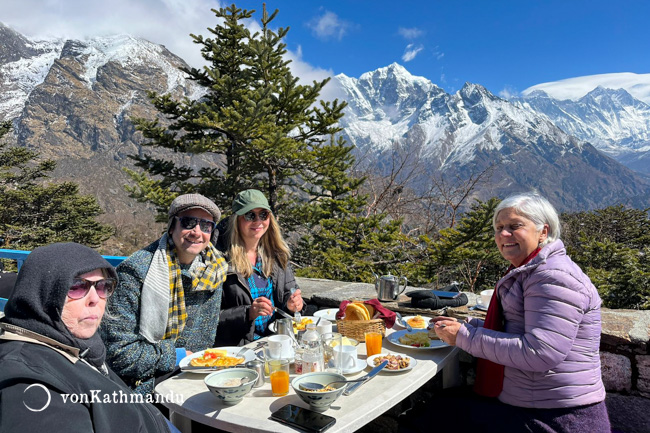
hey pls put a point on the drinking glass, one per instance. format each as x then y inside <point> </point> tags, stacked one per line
<point>330,340</point>
<point>279,369</point>
<point>373,343</point>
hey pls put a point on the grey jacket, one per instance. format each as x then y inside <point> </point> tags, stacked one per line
<point>552,334</point>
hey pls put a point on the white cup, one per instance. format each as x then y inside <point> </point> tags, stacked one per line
<point>285,349</point>
<point>324,327</point>
<point>346,356</point>
<point>486,297</point>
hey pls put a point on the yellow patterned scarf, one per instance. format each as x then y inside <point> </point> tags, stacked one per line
<point>208,275</point>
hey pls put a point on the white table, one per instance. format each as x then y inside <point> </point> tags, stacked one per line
<point>352,412</point>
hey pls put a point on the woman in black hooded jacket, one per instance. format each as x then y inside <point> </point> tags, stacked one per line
<point>53,376</point>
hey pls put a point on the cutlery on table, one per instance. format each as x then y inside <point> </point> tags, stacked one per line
<point>351,388</point>
<point>313,386</point>
<point>403,322</point>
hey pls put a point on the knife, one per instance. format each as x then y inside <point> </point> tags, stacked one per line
<point>351,388</point>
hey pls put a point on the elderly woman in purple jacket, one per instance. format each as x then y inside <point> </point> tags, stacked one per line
<point>538,347</point>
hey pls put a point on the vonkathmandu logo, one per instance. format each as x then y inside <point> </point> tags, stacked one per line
<point>47,391</point>
<point>98,397</point>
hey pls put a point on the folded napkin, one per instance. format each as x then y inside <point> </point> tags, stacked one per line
<point>428,299</point>
<point>381,312</point>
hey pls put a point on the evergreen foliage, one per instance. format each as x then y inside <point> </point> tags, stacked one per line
<point>34,213</point>
<point>612,246</point>
<point>262,128</point>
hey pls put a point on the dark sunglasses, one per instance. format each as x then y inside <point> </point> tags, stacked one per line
<point>80,288</point>
<point>263,215</point>
<point>188,223</point>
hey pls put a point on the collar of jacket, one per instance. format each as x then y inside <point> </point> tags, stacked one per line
<point>546,251</point>
<point>16,333</point>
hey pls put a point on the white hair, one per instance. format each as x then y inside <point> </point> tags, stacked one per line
<point>535,208</point>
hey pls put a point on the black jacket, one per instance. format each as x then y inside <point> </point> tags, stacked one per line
<point>234,327</point>
<point>33,371</point>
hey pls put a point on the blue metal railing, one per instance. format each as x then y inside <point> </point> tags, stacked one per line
<point>20,257</point>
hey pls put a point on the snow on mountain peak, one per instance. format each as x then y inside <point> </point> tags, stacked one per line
<point>638,85</point>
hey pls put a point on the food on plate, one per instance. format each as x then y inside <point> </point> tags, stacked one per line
<point>215,358</point>
<point>357,311</point>
<point>417,322</point>
<point>346,342</point>
<point>395,362</point>
<point>419,339</point>
<point>432,332</point>
<point>302,325</point>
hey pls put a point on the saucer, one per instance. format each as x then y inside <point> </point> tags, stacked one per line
<point>361,364</point>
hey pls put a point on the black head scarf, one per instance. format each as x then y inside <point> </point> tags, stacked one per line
<point>42,288</point>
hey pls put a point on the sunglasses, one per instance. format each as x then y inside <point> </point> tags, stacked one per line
<point>80,288</point>
<point>263,215</point>
<point>188,223</point>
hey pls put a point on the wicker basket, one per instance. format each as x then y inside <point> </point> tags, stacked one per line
<point>357,328</point>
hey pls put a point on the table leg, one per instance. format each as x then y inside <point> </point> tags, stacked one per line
<point>451,373</point>
<point>180,422</point>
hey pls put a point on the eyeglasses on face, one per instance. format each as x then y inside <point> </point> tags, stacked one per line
<point>188,223</point>
<point>80,288</point>
<point>263,215</point>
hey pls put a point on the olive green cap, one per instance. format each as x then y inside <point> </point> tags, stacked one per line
<point>249,200</point>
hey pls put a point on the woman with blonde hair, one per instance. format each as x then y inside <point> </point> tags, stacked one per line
<point>259,276</point>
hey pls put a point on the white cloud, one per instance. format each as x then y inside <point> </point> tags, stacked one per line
<point>166,22</point>
<point>508,92</point>
<point>411,51</point>
<point>410,33</point>
<point>328,26</point>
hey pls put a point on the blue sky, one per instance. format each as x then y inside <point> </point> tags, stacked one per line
<point>506,46</point>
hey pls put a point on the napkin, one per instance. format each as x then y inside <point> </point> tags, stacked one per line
<point>381,312</point>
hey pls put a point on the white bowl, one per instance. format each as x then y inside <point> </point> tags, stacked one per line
<point>319,401</point>
<point>231,394</point>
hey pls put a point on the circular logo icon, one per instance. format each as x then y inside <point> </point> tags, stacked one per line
<point>47,391</point>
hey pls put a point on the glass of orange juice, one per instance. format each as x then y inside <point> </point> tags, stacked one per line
<point>279,374</point>
<point>373,343</point>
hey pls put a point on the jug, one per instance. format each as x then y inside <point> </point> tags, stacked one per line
<point>387,287</point>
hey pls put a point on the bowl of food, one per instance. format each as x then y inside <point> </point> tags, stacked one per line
<point>230,386</point>
<point>319,400</point>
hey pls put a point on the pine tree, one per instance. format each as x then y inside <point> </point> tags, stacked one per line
<point>34,213</point>
<point>466,251</point>
<point>263,129</point>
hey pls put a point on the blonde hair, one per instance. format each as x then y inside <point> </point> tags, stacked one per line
<point>271,248</point>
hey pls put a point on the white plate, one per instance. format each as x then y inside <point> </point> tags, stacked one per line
<point>434,344</point>
<point>412,362</point>
<point>361,364</point>
<point>272,324</point>
<point>329,314</point>
<point>249,355</point>
<point>398,325</point>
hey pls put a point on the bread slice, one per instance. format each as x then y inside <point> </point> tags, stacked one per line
<point>356,311</point>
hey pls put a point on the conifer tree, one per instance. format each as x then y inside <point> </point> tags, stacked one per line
<point>34,213</point>
<point>263,129</point>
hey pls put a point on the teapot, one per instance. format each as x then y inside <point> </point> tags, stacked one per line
<point>388,288</point>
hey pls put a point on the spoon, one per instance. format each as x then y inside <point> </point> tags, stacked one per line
<point>313,386</point>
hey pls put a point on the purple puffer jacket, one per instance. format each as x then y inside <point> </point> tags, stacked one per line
<point>552,334</point>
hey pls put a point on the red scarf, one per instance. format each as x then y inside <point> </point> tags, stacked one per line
<point>489,375</point>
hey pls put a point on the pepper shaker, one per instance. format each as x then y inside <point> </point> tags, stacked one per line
<point>258,366</point>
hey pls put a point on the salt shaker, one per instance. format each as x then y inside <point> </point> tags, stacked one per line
<point>258,366</point>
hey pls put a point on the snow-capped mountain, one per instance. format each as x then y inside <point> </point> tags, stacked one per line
<point>73,101</point>
<point>612,120</point>
<point>466,132</point>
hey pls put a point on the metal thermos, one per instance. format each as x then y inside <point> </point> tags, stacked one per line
<point>258,366</point>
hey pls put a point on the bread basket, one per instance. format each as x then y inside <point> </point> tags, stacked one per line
<point>357,328</point>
